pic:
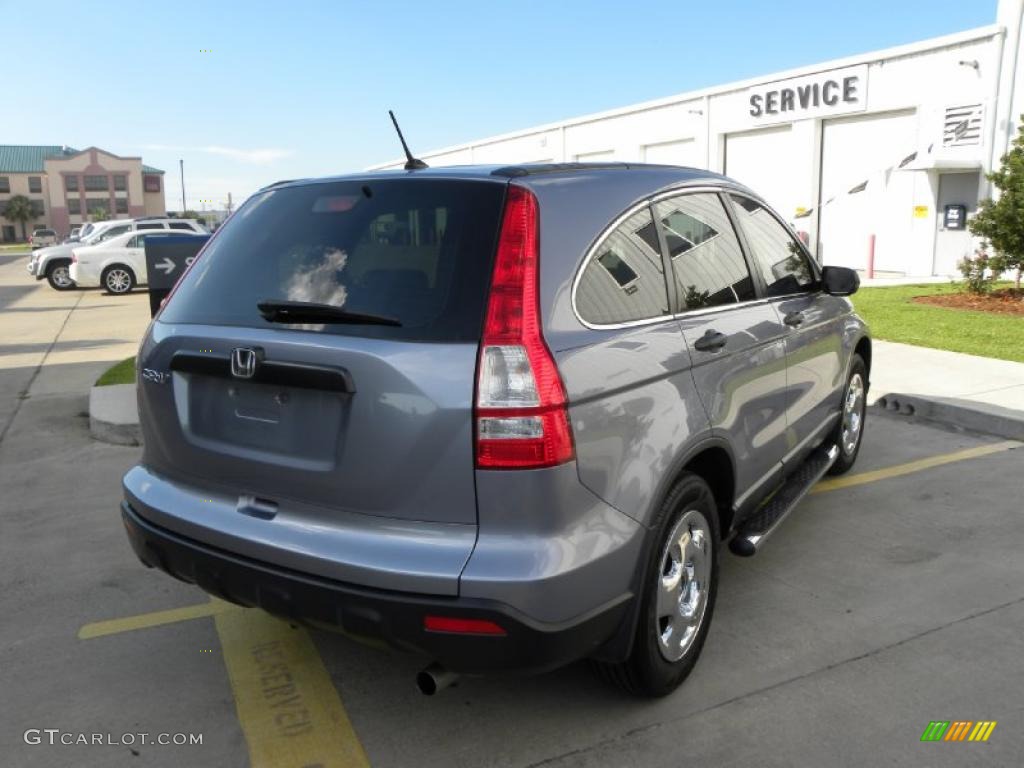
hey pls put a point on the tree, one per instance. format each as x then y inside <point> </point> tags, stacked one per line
<point>99,213</point>
<point>1001,222</point>
<point>19,208</point>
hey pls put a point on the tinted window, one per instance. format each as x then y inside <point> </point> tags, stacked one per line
<point>114,232</point>
<point>35,184</point>
<point>419,251</point>
<point>778,257</point>
<point>5,184</point>
<point>74,205</point>
<point>71,183</point>
<point>150,225</point>
<point>120,183</point>
<point>706,256</point>
<point>625,280</point>
<point>180,225</point>
<point>96,183</point>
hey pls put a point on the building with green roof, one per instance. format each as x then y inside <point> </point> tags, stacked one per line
<point>68,187</point>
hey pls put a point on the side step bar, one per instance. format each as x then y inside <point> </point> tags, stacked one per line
<point>753,532</point>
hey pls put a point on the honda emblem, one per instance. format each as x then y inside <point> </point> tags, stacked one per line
<point>243,362</point>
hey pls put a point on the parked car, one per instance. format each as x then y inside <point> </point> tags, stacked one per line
<point>42,237</point>
<point>117,264</point>
<point>503,417</point>
<point>54,263</point>
<point>73,235</point>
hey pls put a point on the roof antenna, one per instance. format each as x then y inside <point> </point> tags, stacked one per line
<point>412,163</point>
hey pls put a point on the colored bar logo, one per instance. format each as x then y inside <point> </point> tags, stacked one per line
<point>958,730</point>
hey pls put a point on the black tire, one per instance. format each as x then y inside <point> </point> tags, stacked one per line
<point>841,435</point>
<point>57,275</point>
<point>117,279</point>
<point>648,671</point>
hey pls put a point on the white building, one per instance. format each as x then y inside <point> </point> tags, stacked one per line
<point>920,124</point>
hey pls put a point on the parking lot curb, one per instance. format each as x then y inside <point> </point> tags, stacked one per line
<point>114,415</point>
<point>956,412</point>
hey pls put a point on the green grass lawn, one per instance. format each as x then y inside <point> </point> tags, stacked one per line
<point>122,373</point>
<point>894,317</point>
<point>17,247</point>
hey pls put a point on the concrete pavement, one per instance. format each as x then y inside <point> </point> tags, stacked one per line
<point>971,392</point>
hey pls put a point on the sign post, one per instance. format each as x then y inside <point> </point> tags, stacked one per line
<point>167,258</point>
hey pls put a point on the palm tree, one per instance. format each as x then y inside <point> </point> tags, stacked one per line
<point>19,208</point>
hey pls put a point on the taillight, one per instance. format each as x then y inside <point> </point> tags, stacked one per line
<point>521,416</point>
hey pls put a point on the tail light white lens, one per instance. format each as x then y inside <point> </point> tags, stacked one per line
<point>521,415</point>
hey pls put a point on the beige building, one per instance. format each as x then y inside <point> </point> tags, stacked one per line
<point>65,186</point>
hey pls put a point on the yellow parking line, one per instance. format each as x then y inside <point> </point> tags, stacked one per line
<point>146,620</point>
<point>288,707</point>
<point>914,466</point>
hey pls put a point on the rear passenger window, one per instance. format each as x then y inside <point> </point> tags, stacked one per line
<point>625,279</point>
<point>180,225</point>
<point>706,257</point>
<point>779,258</point>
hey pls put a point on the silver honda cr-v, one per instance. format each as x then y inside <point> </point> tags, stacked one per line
<point>503,417</point>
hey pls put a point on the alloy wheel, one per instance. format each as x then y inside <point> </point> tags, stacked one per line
<point>853,414</point>
<point>118,281</point>
<point>682,586</point>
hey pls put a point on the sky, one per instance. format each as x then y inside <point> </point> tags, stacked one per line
<point>248,93</point>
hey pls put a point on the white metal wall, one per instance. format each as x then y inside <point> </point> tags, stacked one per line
<point>763,160</point>
<point>858,149</point>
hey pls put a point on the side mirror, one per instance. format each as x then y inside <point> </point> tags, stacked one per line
<point>840,281</point>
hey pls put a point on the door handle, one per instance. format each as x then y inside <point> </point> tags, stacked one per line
<point>711,341</point>
<point>793,319</point>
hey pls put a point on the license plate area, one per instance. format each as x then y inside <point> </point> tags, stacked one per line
<point>286,425</point>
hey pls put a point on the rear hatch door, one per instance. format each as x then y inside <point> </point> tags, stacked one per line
<point>356,397</point>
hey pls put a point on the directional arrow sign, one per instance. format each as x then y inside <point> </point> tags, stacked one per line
<point>167,257</point>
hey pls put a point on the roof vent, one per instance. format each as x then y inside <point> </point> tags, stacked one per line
<point>962,126</point>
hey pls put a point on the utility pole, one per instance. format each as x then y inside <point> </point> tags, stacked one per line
<point>230,206</point>
<point>181,164</point>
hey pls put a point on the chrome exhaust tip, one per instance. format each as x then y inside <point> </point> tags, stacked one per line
<point>434,678</point>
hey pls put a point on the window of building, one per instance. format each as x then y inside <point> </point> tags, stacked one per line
<point>625,281</point>
<point>707,260</point>
<point>71,183</point>
<point>94,204</point>
<point>152,183</point>
<point>120,183</point>
<point>5,184</point>
<point>37,208</point>
<point>97,183</point>
<point>74,206</point>
<point>122,205</point>
<point>783,264</point>
<point>35,184</point>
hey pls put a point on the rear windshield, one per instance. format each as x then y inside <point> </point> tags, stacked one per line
<point>416,250</point>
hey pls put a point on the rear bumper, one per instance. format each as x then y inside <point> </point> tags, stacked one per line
<point>395,617</point>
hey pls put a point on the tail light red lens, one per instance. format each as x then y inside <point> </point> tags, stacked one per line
<point>457,626</point>
<point>521,416</point>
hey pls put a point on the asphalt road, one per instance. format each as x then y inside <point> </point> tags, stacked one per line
<point>881,605</point>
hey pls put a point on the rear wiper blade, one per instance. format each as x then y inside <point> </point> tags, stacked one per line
<point>311,312</point>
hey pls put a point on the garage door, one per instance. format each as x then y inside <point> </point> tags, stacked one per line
<point>855,150</point>
<point>763,160</point>
<point>682,152</point>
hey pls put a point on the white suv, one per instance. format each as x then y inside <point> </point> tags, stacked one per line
<point>54,262</point>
